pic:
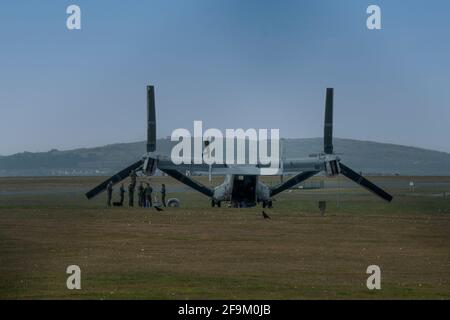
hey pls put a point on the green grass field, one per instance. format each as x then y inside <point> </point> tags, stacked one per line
<point>197,252</point>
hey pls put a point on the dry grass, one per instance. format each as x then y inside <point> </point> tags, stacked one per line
<point>197,252</point>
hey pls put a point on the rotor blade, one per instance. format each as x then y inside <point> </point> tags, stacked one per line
<point>189,182</point>
<point>352,175</point>
<point>292,182</point>
<point>151,119</point>
<point>115,179</point>
<point>328,126</point>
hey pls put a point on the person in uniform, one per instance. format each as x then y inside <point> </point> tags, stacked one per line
<point>148,196</point>
<point>163,194</point>
<point>141,195</point>
<point>122,194</point>
<point>131,194</point>
<point>109,189</point>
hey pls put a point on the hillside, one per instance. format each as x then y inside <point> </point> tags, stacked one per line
<point>369,157</point>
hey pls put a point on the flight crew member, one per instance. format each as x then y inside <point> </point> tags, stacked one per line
<point>131,194</point>
<point>163,194</point>
<point>109,188</point>
<point>141,195</point>
<point>148,196</point>
<point>122,194</point>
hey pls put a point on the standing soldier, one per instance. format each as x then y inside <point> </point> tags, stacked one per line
<point>148,196</point>
<point>109,188</point>
<point>163,194</point>
<point>122,194</point>
<point>141,195</point>
<point>131,194</point>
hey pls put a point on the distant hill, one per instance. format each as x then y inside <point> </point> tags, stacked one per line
<point>369,157</point>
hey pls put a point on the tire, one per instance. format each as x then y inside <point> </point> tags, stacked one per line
<point>173,203</point>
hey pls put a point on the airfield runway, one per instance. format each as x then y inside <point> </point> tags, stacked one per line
<point>197,252</point>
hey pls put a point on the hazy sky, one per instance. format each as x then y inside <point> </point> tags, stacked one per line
<point>230,63</point>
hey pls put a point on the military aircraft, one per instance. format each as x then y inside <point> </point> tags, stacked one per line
<point>242,186</point>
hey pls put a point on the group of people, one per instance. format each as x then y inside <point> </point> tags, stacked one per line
<point>145,193</point>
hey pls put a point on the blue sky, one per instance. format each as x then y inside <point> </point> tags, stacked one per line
<point>230,63</point>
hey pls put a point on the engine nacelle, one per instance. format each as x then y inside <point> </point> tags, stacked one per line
<point>223,191</point>
<point>149,166</point>
<point>262,192</point>
<point>332,168</point>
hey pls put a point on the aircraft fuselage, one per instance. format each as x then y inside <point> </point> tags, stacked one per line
<point>242,191</point>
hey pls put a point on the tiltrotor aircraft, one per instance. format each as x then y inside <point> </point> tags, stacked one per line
<point>242,186</point>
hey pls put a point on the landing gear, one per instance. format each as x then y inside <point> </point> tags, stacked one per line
<point>215,203</point>
<point>267,204</point>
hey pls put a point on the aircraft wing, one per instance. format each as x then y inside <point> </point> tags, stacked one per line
<point>294,166</point>
<point>288,167</point>
<point>165,163</point>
